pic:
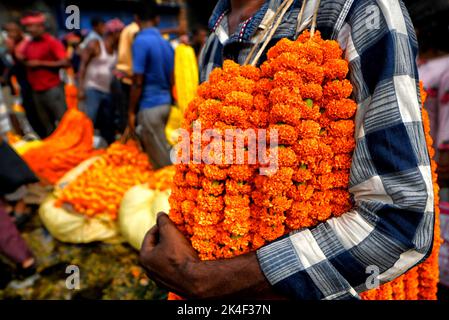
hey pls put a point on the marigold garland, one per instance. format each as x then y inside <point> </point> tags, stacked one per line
<point>68,146</point>
<point>302,92</point>
<point>100,189</point>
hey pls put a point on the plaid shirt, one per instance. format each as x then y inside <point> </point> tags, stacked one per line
<point>391,225</point>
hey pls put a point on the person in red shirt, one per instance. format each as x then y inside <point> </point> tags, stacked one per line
<point>44,56</point>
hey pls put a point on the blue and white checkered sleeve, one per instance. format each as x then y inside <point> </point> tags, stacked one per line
<point>391,226</point>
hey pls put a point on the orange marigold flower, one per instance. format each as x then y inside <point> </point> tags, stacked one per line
<point>341,109</point>
<point>342,145</point>
<point>336,90</point>
<point>212,187</point>
<point>287,79</point>
<point>331,50</point>
<point>213,172</point>
<point>283,45</point>
<point>341,178</point>
<point>236,201</point>
<point>342,128</point>
<point>342,161</point>
<point>205,218</point>
<point>283,113</point>
<point>287,134</point>
<point>176,217</point>
<point>192,179</point>
<point>234,187</point>
<point>243,100</point>
<point>261,102</point>
<point>309,129</point>
<point>336,69</point>
<point>312,91</point>
<point>209,203</point>
<point>312,72</point>
<point>241,172</point>
<point>234,115</point>
<point>286,156</point>
<point>250,72</point>
<point>280,204</point>
<point>204,232</point>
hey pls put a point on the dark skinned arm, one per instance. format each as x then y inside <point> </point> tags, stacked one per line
<point>63,63</point>
<point>134,97</point>
<point>171,262</point>
<point>90,52</point>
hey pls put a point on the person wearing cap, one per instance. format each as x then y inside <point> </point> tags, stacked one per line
<point>98,60</point>
<point>43,57</point>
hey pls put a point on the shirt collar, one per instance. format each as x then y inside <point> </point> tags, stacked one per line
<point>248,28</point>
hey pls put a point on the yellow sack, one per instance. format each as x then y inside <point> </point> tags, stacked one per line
<point>173,124</point>
<point>138,212</point>
<point>135,217</point>
<point>76,228</point>
<point>66,225</point>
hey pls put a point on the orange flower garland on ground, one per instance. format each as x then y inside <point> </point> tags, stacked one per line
<point>68,146</point>
<point>100,189</point>
<point>302,93</point>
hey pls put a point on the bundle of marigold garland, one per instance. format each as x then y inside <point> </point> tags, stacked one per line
<point>301,91</point>
<point>68,146</point>
<point>100,189</point>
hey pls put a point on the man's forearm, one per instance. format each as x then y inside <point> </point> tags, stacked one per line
<point>136,92</point>
<point>56,64</point>
<point>239,278</point>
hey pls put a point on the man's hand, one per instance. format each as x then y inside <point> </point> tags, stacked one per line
<point>33,63</point>
<point>132,123</point>
<point>172,263</point>
<point>81,94</point>
<point>168,257</point>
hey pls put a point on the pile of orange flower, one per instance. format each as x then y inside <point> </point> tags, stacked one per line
<point>162,179</point>
<point>420,283</point>
<point>100,189</point>
<point>301,91</point>
<point>68,146</point>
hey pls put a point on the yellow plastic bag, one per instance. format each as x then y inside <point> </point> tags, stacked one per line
<point>138,212</point>
<point>76,228</point>
<point>173,124</point>
<point>135,215</point>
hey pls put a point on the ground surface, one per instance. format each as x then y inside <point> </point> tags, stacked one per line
<point>106,271</point>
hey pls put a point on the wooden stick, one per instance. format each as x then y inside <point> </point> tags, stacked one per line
<point>272,31</point>
<point>300,16</point>
<point>314,21</point>
<point>264,34</point>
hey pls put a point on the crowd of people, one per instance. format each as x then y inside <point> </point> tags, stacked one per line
<point>124,75</point>
<point>124,78</point>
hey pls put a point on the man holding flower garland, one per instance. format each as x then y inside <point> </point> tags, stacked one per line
<point>391,226</point>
